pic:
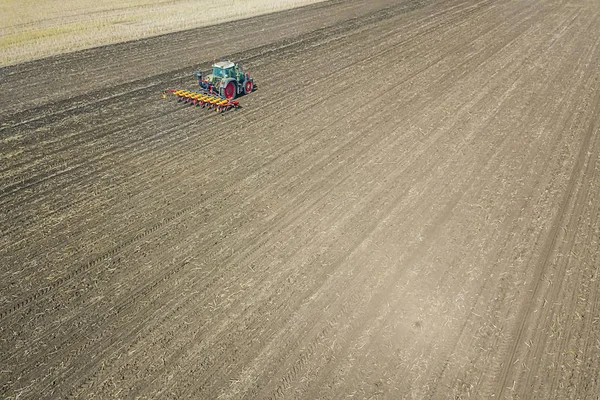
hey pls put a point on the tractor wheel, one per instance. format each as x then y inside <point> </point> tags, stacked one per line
<point>248,87</point>
<point>230,91</point>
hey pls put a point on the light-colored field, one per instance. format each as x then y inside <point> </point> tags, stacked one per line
<point>31,29</point>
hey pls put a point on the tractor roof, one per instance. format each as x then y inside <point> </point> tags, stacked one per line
<point>223,64</point>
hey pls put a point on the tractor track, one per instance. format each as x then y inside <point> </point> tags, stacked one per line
<point>324,241</point>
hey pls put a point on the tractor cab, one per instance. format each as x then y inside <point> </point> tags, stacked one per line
<point>224,69</point>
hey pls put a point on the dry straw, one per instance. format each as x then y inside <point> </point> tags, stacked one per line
<point>31,29</point>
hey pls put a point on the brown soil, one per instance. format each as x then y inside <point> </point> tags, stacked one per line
<point>407,207</point>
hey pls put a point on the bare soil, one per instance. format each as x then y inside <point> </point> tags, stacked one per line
<point>407,207</point>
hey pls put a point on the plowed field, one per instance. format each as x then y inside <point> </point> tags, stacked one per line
<point>407,207</point>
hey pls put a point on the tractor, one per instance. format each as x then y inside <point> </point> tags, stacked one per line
<point>228,80</point>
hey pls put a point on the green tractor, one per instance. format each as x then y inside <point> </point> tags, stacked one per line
<point>228,80</point>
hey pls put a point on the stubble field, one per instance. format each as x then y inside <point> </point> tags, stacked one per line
<point>33,29</point>
<point>407,207</point>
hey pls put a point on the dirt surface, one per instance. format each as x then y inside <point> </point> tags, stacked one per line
<point>407,207</point>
